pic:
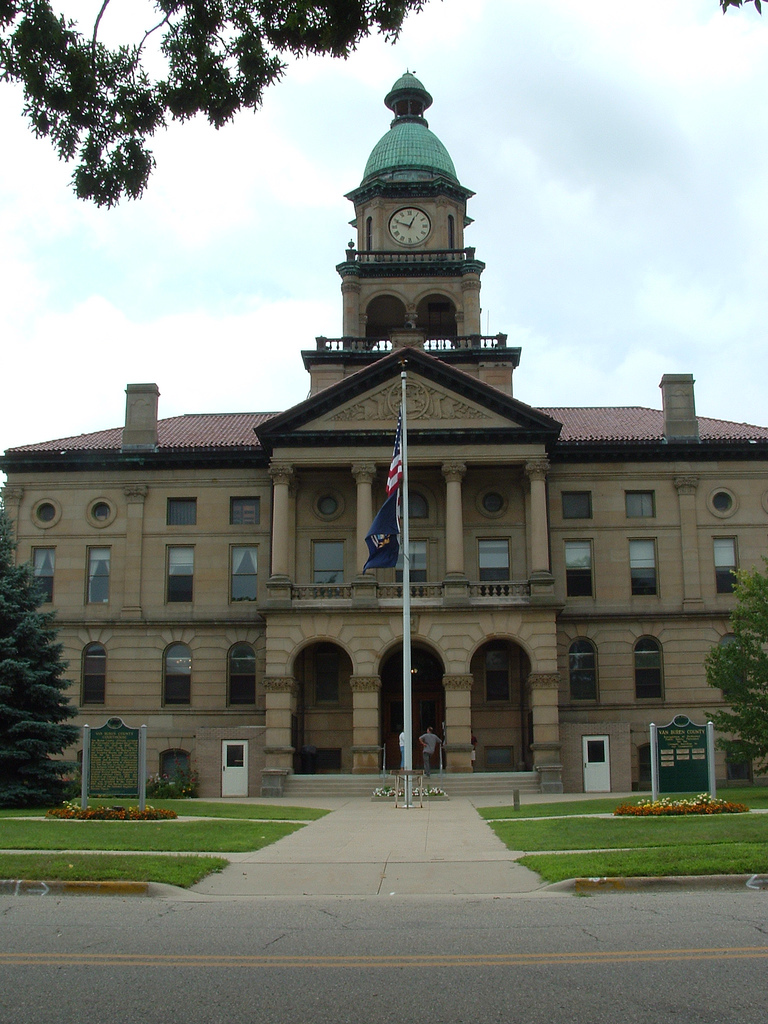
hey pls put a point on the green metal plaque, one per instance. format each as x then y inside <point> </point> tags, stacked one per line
<point>683,763</point>
<point>114,769</point>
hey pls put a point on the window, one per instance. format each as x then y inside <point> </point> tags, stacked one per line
<point>493,503</point>
<point>496,672</point>
<point>640,504</point>
<point>326,675</point>
<point>101,511</point>
<point>244,578</point>
<point>327,505</point>
<point>417,506</point>
<point>46,512</point>
<point>328,562</point>
<point>181,569</point>
<point>582,670</point>
<point>182,512</point>
<point>174,763</point>
<point>242,675</point>
<point>577,504</point>
<point>642,566</point>
<point>44,560</point>
<point>177,675</point>
<point>493,559</point>
<point>98,575</point>
<point>244,511</point>
<point>722,501</point>
<point>369,233</point>
<point>451,231</point>
<point>578,568</point>
<point>94,674</point>
<point>648,684</point>
<point>418,562</point>
<point>725,564</point>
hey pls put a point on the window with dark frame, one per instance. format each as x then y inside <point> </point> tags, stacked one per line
<point>648,678</point>
<point>98,575</point>
<point>725,564</point>
<point>640,504</point>
<point>418,568</point>
<point>582,670</point>
<point>181,574</point>
<point>328,561</point>
<point>242,674</point>
<point>244,511</point>
<point>418,508</point>
<point>94,674</point>
<point>578,568</point>
<point>244,581</point>
<point>182,512</point>
<point>576,504</point>
<point>177,675</point>
<point>493,559</point>
<point>642,567</point>
<point>497,672</point>
<point>43,562</point>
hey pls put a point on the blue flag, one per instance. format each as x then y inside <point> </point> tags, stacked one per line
<point>382,539</point>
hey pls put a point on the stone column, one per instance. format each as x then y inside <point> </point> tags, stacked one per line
<point>350,292</point>
<point>12,501</point>
<point>689,546</point>
<point>282,477</point>
<point>544,690</point>
<point>538,531</point>
<point>281,693</point>
<point>458,722</point>
<point>470,293</point>
<point>366,752</point>
<point>363,472</point>
<point>135,495</point>
<point>454,519</point>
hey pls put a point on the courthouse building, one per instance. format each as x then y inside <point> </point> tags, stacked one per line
<point>570,567</point>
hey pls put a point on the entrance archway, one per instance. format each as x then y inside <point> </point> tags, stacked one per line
<point>427,701</point>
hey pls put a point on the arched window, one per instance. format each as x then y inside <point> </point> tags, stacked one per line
<point>582,670</point>
<point>418,507</point>
<point>451,232</point>
<point>94,674</point>
<point>174,763</point>
<point>242,675</point>
<point>648,677</point>
<point>369,233</point>
<point>177,675</point>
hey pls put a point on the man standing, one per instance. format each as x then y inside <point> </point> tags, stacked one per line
<point>429,744</point>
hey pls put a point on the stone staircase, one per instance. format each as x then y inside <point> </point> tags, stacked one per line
<point>473,784</point>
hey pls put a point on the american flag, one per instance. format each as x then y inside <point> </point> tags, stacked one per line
<point>396,467</point>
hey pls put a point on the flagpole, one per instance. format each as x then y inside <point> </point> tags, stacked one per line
<point>407,704</point>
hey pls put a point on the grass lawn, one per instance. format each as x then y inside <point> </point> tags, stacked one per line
<point>204,836</point>
<point>197,809</point>
<point>754,797</point>
<point>106,867</point>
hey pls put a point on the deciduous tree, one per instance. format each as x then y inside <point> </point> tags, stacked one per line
<point>739,667</point>
<point>34,709</point>
<point>99,104</point>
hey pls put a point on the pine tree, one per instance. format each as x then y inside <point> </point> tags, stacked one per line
<point>33,705</point>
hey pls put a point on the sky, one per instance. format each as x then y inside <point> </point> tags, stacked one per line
<point>619,156</point>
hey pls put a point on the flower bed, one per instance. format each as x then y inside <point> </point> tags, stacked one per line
<point>388,792</point>
<point>73,811</point>
<point>701,804</point>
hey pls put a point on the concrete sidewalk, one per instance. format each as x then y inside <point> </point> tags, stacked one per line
<point>371,848</point>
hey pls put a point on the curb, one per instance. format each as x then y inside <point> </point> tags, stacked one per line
<point>666,883</point>
<point>34,887</point>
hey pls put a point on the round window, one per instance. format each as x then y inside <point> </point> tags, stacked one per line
<point>327,505</point>
<point>722,501</point>
<point>46,512</point>
<point>101,511</point>
<point>493,502</point>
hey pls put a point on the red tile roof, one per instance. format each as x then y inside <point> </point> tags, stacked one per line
<point>200,431</point>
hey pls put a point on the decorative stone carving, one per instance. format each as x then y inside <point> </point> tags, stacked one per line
<point>365,684</point>
<point>424,402</point>
<point>454,471</point>
<point>458,682</point>
<point>686,484</point>
<point>537,469</point>
<point>281,473</point>
<point>281,684</point>
<point>12,494</point>
<point>544,681</point>
<point>135,493</point>
<point>364,472</point>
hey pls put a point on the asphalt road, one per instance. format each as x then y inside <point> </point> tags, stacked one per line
<point>647,957</point>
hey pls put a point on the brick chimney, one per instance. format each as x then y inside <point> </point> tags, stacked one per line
<point>140,430</point>
<point>680,423</point>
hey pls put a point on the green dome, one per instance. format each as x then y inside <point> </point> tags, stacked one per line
<point>409,146</point>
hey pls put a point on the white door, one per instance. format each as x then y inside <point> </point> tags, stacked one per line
<point>597,764</point>
<point>234,768</point>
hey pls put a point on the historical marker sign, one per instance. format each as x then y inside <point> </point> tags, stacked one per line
<point>682,757</point>
<point>114,761</point>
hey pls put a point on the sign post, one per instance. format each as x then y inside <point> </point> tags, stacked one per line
<point>682,757</point>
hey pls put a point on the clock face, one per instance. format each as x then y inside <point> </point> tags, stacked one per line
<point>409,226</point>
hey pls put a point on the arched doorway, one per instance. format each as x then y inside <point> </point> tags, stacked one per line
<point>427,701</point>
<point>384,313</point>
<point>436,316</point>
<point>501,717</point>
<point>322,725</point>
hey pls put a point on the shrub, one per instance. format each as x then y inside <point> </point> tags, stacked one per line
<point>72,810</point>
<point>701,804</point>
<point>182,784</point>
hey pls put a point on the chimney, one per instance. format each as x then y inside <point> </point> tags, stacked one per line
<point>680,423</point>
<point>140,431</point>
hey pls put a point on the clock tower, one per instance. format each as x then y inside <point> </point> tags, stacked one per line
<point>408,267</point>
